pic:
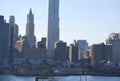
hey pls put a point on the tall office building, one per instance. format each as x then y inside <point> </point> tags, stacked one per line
<point>4,41</point>
<point>53,26</point>
<point>11,42</point>
<point>30,29</point>
<point>114,39</point>
<point>14,30</point>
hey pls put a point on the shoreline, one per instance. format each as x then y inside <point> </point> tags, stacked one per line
<point>29,75</point>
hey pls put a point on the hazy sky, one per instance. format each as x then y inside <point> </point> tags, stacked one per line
<point>92,20</point>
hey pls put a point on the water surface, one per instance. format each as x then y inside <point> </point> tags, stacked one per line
<point>67,78</point>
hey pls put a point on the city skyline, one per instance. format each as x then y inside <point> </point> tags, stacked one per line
<point>90,20</point>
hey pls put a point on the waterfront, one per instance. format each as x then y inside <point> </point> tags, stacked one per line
<point>66,78</point>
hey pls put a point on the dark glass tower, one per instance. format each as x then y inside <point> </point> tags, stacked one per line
<point>4,41</point>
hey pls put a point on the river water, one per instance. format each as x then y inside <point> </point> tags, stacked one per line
<point>67,78</point>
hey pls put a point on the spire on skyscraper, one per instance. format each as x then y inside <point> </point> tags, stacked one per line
<point>30,12</point>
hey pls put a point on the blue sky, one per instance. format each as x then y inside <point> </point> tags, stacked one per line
<point>92,20</point>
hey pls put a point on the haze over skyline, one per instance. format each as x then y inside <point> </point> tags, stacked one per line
<point>92,20</point>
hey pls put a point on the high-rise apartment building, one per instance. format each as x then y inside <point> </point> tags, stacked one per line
<point>53,26</point>
<point>114,39</point>
<point>30,29</point>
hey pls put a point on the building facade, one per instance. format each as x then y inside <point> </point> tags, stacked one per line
<point>42,43</point>
<point>16,32</point>
<point>101,52</point>
<point>11,42</point>
<point>15,29</point>
<point>68,53</point>
<point>114,39</point>
<point>61,51</point>
<point>4,41</point>
<point>73,53</point>
<point>82,45</point>
<point>53,26</point>
<point>30,29</point>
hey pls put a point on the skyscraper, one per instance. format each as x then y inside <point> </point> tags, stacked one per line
<point>4,41</point>
<point>12,24</point>
<point>53,26</point>
<point>14,30</point>
<point>30,29</point>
